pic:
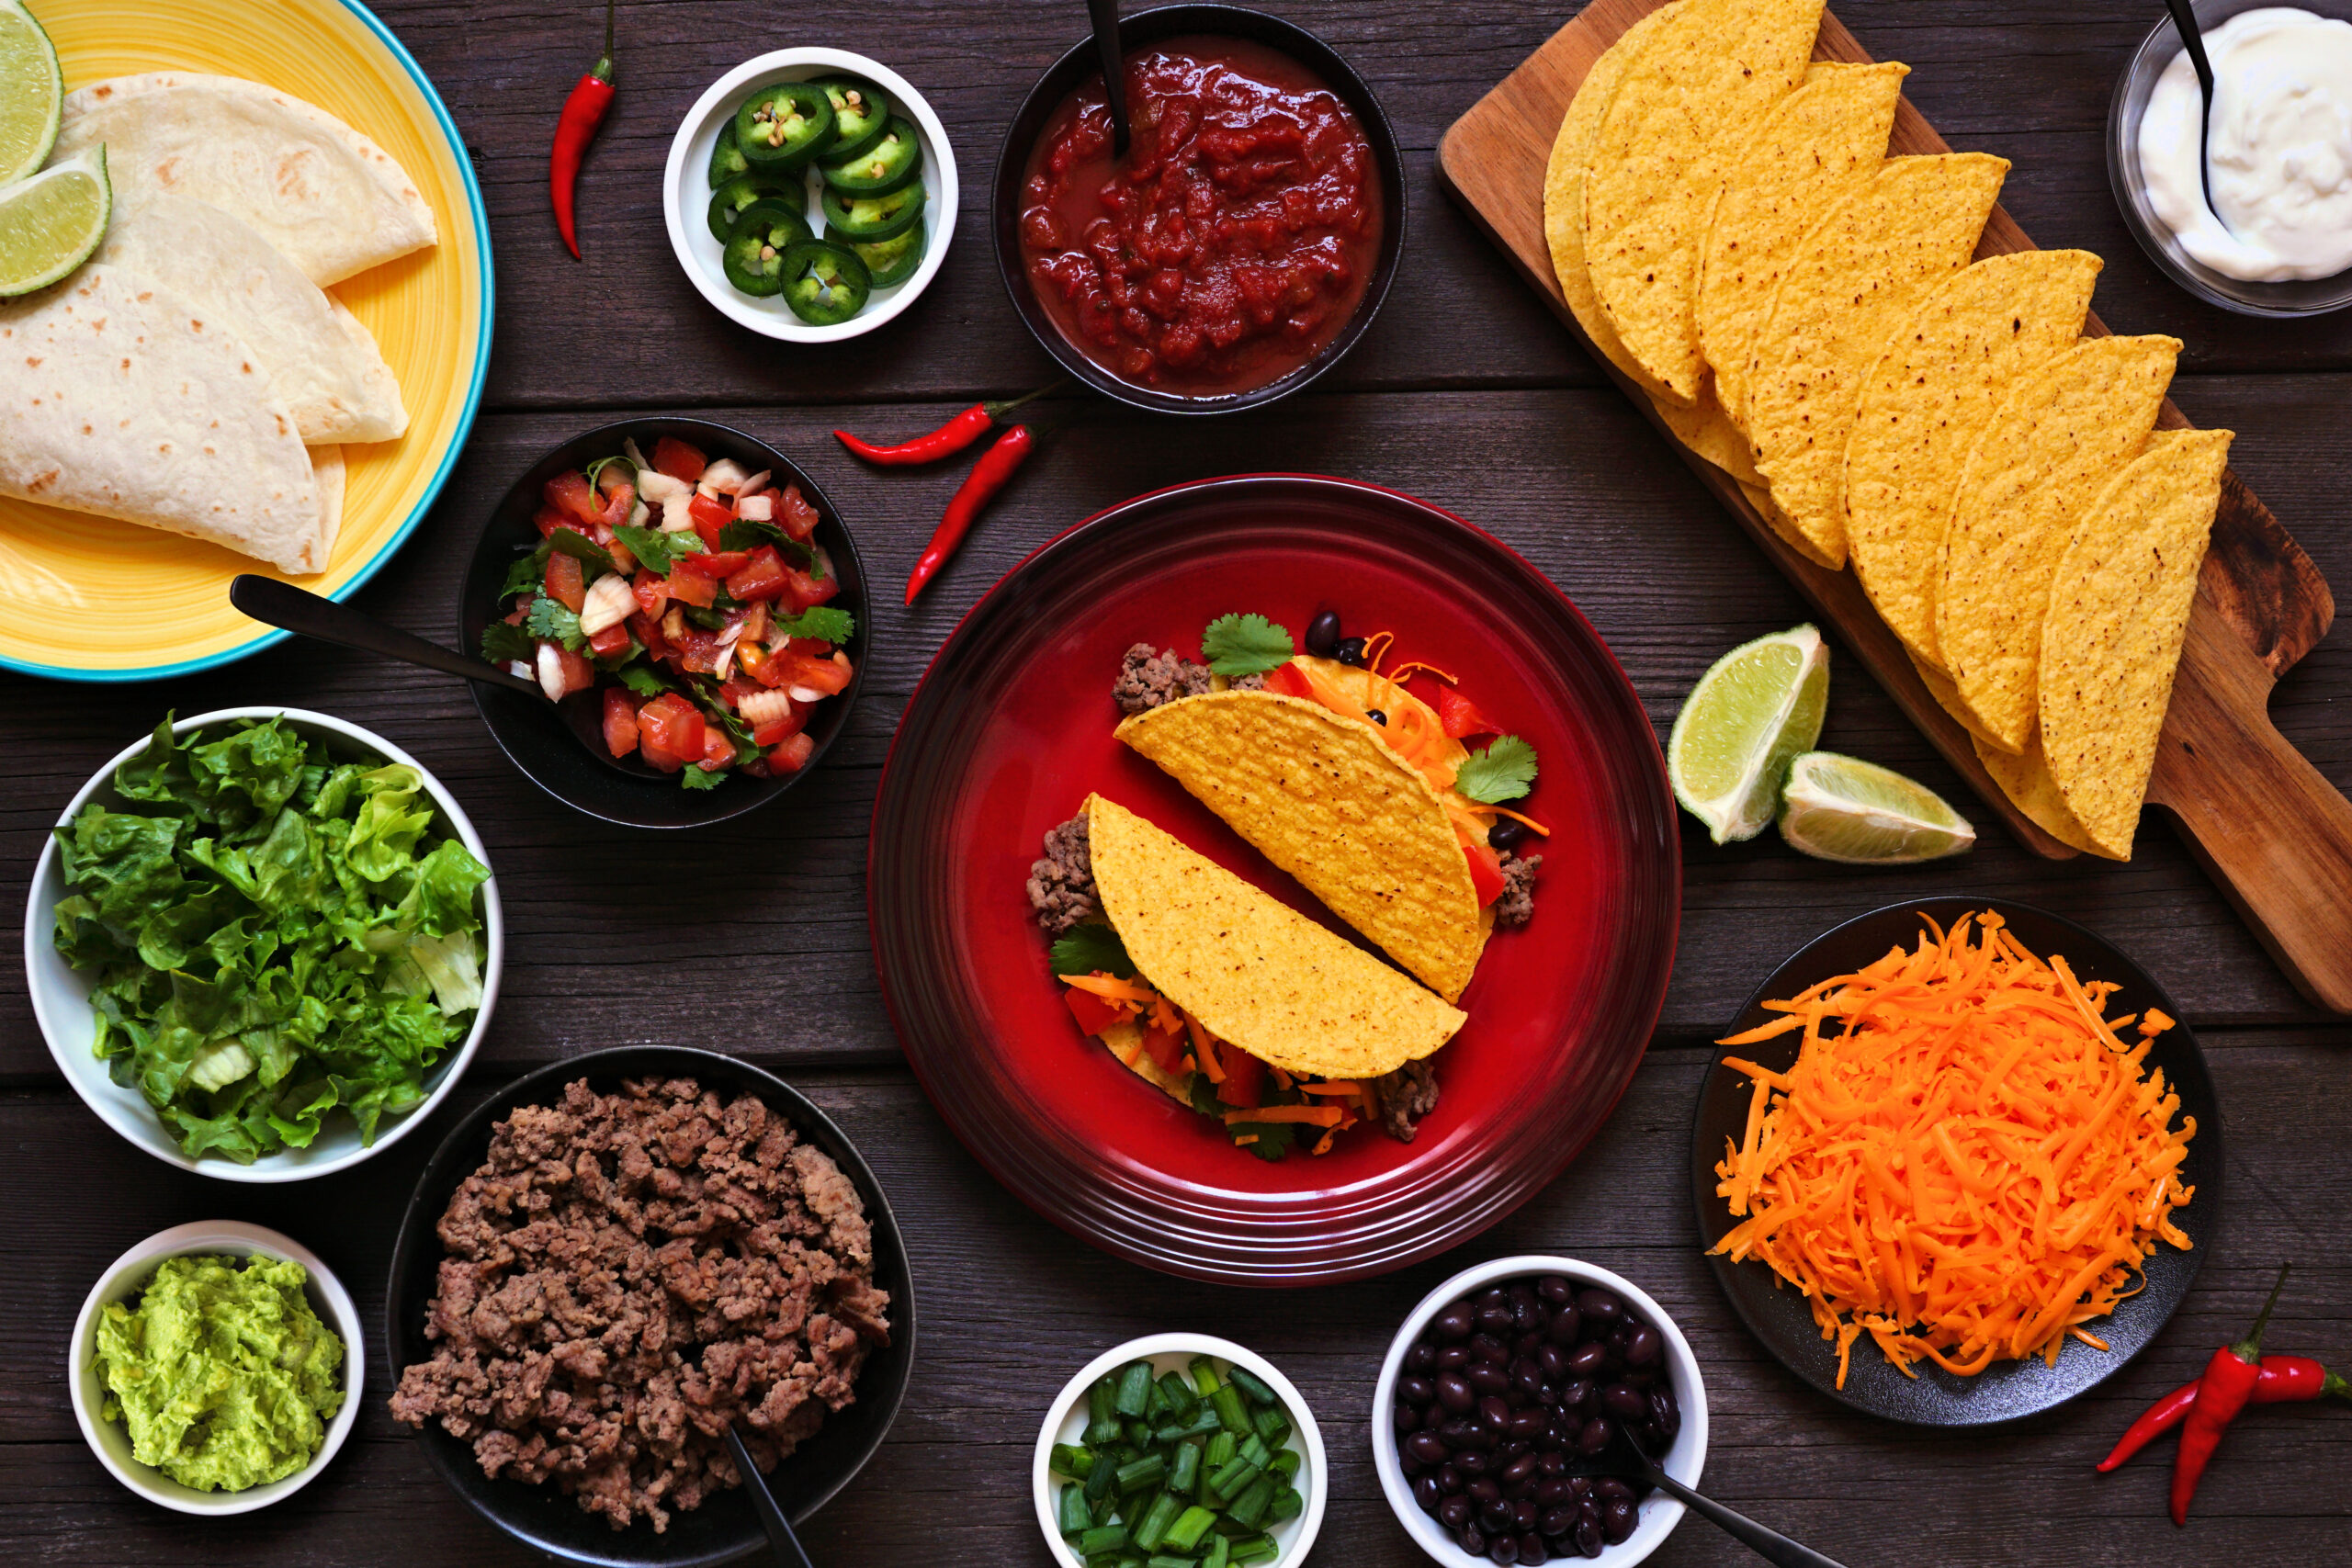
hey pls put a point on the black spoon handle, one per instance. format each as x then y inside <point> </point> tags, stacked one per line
<point>284,605</point>
<point>1105,16</point>
<point>1769,1544</point>
<point>781,1540</point>
<point>2192,38</point>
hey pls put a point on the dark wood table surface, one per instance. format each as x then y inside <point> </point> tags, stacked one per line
<point>1465,392</point>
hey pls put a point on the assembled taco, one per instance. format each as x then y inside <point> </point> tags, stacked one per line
<point>1225,999</point>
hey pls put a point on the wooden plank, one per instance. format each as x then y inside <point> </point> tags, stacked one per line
<point>1012,1306</point>
<point>2259,584</point>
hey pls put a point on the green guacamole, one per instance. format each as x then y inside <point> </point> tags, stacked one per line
<point>223,1374</point>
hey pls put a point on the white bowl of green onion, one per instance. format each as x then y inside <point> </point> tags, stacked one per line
<point>1182,1450</point>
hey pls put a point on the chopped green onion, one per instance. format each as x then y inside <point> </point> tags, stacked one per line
<point>1204,1378</point>
<point>1099,1479</point>
<point>1154,1526</point>
<point>1179,1393</point>
<point>1070,1460</point>
<point>1103,1419</point>
<point>1185,1475</point>
<point>1156,1560</point>
<point>1253,1549</point>
<point>1232,1479</point>
<point>1133,1389</point>
<point>1284,1464</point>
<point>1250,1508</point>
<point>1149,1470</point>
<point>1216,1555</point>
<point>1230,1412</point>
<point>1102,1538</point>
<point>1288,1504</point>
<point>1190,1526</point>
<point>1252,1387</point>
<point>1076,1517</point>
<point>1270,1424</point>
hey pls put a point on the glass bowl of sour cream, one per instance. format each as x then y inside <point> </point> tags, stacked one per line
<point>2281,155</point>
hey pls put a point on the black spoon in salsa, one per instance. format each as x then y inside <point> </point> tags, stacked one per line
<point>1105,16</point>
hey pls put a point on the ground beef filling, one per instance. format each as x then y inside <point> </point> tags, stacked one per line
<point>1406,1096</point>
<point>628,1273</point>
<point>1515,905</point>
<point>1147,678</point>
<point>1061,885</point>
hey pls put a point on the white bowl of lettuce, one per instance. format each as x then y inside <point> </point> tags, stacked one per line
<point>285,943</point>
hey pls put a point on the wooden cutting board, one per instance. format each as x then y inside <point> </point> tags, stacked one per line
<point>2274,835</point>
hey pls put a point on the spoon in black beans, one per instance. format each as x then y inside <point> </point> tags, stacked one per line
<point>1766,1542</point>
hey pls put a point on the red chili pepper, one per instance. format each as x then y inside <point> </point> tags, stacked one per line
<point>949,439</point>
<point>988,476</point>
<point>584,114</point>
<point>2285,1380</point>
<point>2225,1389</point>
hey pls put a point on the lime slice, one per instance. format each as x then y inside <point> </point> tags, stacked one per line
<point>1757,707</point>
<point>50,224</point>
<point>1861,814</point>
<point>32,93</point>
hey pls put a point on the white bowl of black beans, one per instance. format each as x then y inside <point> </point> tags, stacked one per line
<point>1498,1410</point>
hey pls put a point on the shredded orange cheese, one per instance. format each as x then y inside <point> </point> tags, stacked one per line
<point>1965,1162</point>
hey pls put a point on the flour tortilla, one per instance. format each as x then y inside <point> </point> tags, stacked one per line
<point>1253,970</point>
<point>1938,384</point>
<point>331,201</point>
<point>1693,88</point>
<point>1846,288</point>
<point>117,398</point>
<point>1815,148</point>
<point>320,361</point>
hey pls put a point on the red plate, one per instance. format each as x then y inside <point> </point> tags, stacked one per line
<point>1010,729</point>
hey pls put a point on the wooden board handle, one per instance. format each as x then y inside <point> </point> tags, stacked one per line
<point>2269,827</point>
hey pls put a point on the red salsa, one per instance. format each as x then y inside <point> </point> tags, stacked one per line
<point>1233,242</point>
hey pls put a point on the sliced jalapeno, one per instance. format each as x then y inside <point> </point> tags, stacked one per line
<point>758,245</point>
<point>727,160</point>
<point>782,126</point>
<point>893,160</point>
<point>894,260</point>
<point>729,201</point>
<point>861,113</point>
<point>871,217</point>
<point>825,282</point>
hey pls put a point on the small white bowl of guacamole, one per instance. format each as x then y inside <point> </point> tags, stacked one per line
<point>302,1399</point>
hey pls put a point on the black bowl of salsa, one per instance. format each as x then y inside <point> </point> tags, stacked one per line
<point>1260,216</point>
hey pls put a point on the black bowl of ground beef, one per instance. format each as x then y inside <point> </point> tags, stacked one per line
<point>611,1260</point>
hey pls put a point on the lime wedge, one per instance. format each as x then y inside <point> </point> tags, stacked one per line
<point>32,93</point>
<point>1759,705</point>
<point>1861,814</point>
<point>50,224</point>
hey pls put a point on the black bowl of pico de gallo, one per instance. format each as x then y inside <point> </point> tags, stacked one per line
<point>690,590</point>
<point>1240,246</point>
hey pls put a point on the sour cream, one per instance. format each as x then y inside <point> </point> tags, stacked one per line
<point>2281,148</point>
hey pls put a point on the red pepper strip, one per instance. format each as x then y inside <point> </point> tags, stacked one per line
<point>988,476</point>
<point>949,439</point>
<point>584,114</point>
<point>2224,1391</point>
<point>2285,1380</point>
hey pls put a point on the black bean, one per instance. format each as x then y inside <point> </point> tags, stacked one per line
<point>1510,1448</point>
<point>1503,1548</point>
<point>1610,1488</point>
<point>1552,1462</point>
<point>1470,1540</point>
<point>1524,1314</point>
<point>1416,1392</point>
<point>1595,1435</point>
<point>1494,1516</point>
<point>1566,1327</point>
<point>1455,1512</point>
<point>1454,1392</point>
<point>1634,1377</point>
<point>1349,650</point>
<point>1577,1395</point>
<point>1422,1357</point>
<point>1527,1423</point>
<point>1454,1323</point>
<point>1556,1521</point>
<point>1494,1413</point>
<point>1600,1307</point>
<point>1527,1344</point>
<point>1407,1419</point>
<point>1428,1447</point>
<point>1505,834</point>
<point>1556,1288</point>
<point>1551,1492</point>
<point>1643,1346</point>
<point>1464,1433</point>
<point>1448,1480</point>
<point>1426,1493</point>
<point>1664,1411</point>
<point>1486,1377</point>
<point>1519,1470</point>
<point>1433,1417</point>
<point>1525,1513</point>
<point>1482,1490</point>
<point>1619,1400</point>
<point>1531,1551</point>
<point>1587,1538</point>
<point>1379,718</point>
<point>1323,634</point>
<point>1486,1347</point>
<point>1554,1360</point>
<point>1583,1361</point>
<point>1453,1358</point>
<point>1492,1296</point>
<point>1470,1461</point>
<point>1527,1375</point>
<point>1617,1521</point>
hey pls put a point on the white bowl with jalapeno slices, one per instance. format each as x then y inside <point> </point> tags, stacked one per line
<point>811,194</point>
<point>1230,1474</point>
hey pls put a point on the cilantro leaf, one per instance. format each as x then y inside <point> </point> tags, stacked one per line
<point>580,547</point>
<point>1272,1141</point>
<point>658,552</point>
<point>705,693</point>
<point>503,644</point>
<point>641,679</point>
<point>1245,645</point>
<point>1504,770</point>
<point>821,622</point>
<point>696,776</point>
<point>1090,947</point>
<point>526,574</point>
<point>745,534</point>
<point>550,620</point>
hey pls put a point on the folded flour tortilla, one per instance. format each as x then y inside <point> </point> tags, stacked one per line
<point>117,397</point>
<point>331,201</point>
<point>320,361</point>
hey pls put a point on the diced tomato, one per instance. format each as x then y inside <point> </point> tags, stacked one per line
<point>620,722</point>
<point>761,577</point>
<point>1458,715</point>
<point>1486,873</point>
<point>1245,1076</point>
<point>700,650</point>
<point>565,583</point>
<point>794,515</point>
<point>1093,1014</point>
<point>692,587</point>
<point>622,556</point>
<point>612,639</point>
<point>546,520</point>
<point>576,673</point>
<point>794,754</point>
<point>802,591</point>
<point>779,731</point>
<point>710,516</point>
<point>718,749</point>
<point>1168,1050</point>
<point>736,688</point>
<point>568,492</point>
<point>652,594</point>
<point>678,460</point>
<point>647,630</point>
<point>754,661</point>
<point>717,565</point>
<point>798,669</point>
<point>1285,680</point>
<point>670,732</point>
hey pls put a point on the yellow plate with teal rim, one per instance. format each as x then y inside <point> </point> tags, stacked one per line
<point>86,598</point>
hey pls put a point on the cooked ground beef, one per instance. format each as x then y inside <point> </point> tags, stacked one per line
<point>1515,905</point>
<point>1406,1096</point>
<point>628,1273</point>
<point>1147,678</point>
<point>1061,885</point>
